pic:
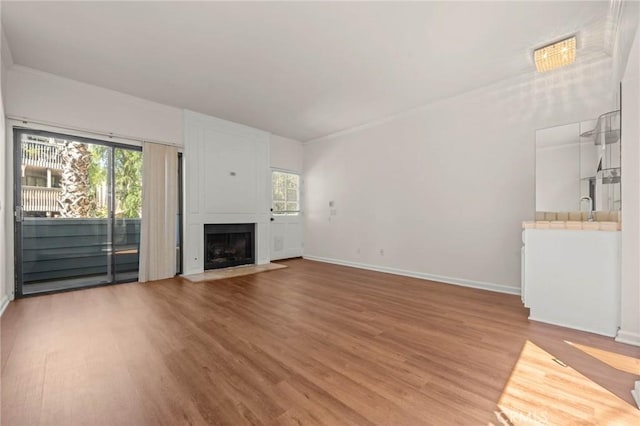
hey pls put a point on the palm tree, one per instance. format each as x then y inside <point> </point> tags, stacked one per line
<point>74,198</point>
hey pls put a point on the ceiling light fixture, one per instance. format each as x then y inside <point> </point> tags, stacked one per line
<point>555,55</point>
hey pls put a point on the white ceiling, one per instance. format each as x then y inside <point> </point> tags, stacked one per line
<point>301,70</point>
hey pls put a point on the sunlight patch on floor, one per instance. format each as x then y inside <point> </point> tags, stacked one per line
<point>539,383</point>
<point>620,362</point>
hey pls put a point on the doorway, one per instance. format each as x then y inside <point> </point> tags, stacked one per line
<point>286,223</point>
<point>78,205</point>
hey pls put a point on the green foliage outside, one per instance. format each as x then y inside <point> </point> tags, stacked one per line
<point>97,179</point>
<point>128,181</point>
<point>128,185</point>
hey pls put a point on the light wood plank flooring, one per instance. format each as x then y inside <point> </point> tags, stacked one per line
<point>310,344</point>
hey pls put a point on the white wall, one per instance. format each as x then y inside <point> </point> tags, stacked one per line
<point>60,101</point>
<point>5,206</point>
<point>441,191</point>
<point>630,291</point>
<point>624,38</point>
<point>54,100</point>
<point>227,180</point>
<point>286,154</point>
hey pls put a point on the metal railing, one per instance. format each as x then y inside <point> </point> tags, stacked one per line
<point>40,199</point>
<point>42,155</point>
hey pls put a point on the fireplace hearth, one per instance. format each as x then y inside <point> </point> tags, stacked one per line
<point>229,244</point>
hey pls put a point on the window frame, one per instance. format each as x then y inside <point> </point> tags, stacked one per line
<point>285,212</point>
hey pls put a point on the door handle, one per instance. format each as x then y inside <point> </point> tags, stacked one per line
<point>272,219</point>
<point>19,213</point>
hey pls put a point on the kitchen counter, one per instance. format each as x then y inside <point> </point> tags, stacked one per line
<point>572,225</point>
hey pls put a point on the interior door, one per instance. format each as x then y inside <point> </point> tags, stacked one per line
<point>286,215</point>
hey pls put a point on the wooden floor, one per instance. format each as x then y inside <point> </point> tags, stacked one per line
<point>310,344</point>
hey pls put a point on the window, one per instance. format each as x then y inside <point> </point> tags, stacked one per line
<point>286,193</point>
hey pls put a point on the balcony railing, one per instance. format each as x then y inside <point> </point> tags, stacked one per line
<point>64,249</point>
<point>40,199</point>
<point>41,155</point>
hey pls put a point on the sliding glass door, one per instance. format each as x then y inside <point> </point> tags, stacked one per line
<point>78,207</point>
<point>127,178</point>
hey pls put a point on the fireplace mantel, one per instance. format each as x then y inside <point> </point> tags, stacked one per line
<point>227,181</point>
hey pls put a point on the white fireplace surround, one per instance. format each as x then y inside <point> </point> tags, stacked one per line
<point>227,180</point>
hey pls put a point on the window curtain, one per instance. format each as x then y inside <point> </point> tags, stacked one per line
<point>159,212</point>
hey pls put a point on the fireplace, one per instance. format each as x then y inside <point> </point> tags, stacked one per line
<point>229,244</point>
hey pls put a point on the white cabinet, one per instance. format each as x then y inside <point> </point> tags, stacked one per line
<point>572,278</point>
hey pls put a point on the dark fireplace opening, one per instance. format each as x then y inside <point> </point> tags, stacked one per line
<point>229,244</point>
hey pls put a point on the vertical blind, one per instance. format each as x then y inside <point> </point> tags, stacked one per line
<point>159,210</point>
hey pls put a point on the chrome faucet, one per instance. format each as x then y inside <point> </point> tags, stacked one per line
<point>590,218</point>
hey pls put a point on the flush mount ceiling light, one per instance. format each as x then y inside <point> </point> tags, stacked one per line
<point>555,55</point>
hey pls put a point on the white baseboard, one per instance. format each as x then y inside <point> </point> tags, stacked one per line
<point>4,302</point>
<point>439,278</point>
<point>628,338</point>
<point>573,327</point>
<point>636,393</point>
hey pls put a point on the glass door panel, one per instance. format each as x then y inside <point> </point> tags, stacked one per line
<point>127,213</point>
<point>77,212</point>
<point>64,230</point>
